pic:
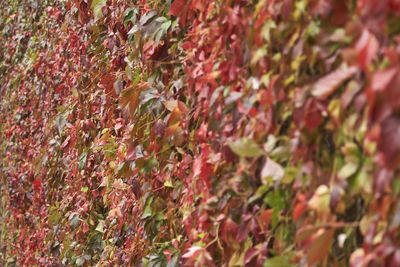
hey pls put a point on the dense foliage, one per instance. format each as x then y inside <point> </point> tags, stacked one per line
<point>204,133</point>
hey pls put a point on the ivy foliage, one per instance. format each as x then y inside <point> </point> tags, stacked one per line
<point>199,133</point>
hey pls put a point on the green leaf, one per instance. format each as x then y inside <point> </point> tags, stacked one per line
<point>168,183</point>
<point>148,211</point>
<point>74,222</point>
<point>278,261</point>
<point>348,170</point>
<point>130,14</point>
<point>79,261</point>
<point>277,201</point>
<point>97,5</point>
<point>82,160</point>
<point>260,53</point>
<point>100,227</point>
<point>259,193</point>
<point>245,147</point>
<point>84,189</point>
<point>96,2</point>
<point>162,30</point>
<point>75,92</point>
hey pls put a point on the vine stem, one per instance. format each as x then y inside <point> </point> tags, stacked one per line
<point>216,239</point>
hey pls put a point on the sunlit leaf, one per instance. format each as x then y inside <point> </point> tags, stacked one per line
<point>245,147</point>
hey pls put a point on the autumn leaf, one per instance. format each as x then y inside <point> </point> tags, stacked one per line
<point>250,254</point>
<point>97,5</point>
<point>116,212</point>
<point>325,86</point>
<point>313,114</point>
<point>320,200</point>
<point>37,185</point>
<point>177,7</point>
<point>298,210</point>
<point>272,169</point>
<point>245,147</point>
<point>132,132</point>
<point>276,261</point>
<point>381,79</point>
<point>107,83</point>
<point>192,252</point>
<point>390,141</point>
<point>130,97</point>
<point>319,248</point>
<point>367,48</point>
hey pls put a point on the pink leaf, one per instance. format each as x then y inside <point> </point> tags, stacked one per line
<point>65,143</point>
<point>272,169</point>
<point>192,252</point>
<point>250,254</point>
<point>367,48</point>
<point>325,86</point>
<point>381,79</point>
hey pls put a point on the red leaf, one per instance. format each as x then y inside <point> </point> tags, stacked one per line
<point>187,45</point>
<point>65,143</point>
<point>381,79</point>
<point>250,254</point>
<point>312,116</point>
<point>197,165</point>
<point>393,92</point>
<point>36,185</point>
<point>242,233</point>
<point>128,243</point>
<point>229,227</point>
<point>325,86</point>
<point>304,236</point>
<point>168,254</point>
<point>340,12</point>
<point>367,48</point>
<point>390,141</point>
<point>347,97</point>
<point>396,258</point>
<point>176,7</point>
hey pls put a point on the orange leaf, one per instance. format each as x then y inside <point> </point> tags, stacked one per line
<point>320,246</point>
<point>298,210</point>
<point>107,83</point>
<point>266,216</point>
<point>130,97</point>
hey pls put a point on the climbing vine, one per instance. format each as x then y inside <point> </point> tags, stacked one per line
<point>199,133</point>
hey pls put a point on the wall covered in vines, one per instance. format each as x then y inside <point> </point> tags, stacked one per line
<point>199,133</point>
